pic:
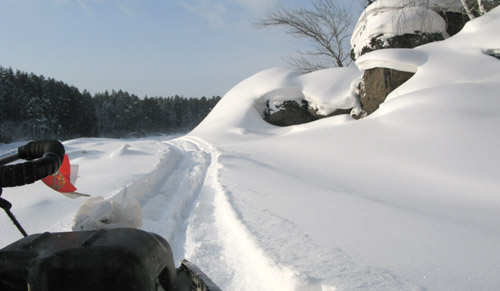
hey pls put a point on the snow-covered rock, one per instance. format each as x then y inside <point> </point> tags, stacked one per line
<point>288,113</point>
<point>325,92</point>
<point>290,106</point>
<point>403,24</point>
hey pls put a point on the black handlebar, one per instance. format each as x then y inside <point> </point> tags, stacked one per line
<point>44,159</point>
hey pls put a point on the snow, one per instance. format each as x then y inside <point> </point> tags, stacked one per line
<point>405,199</point>
<point>406,60</point>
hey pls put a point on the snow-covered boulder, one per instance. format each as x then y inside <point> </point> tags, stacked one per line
<point>289,106</point>
<point>405,24</point>
<point>243,108</point>
<point>284,107</point>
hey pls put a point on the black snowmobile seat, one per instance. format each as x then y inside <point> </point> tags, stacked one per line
<point>114,259</point>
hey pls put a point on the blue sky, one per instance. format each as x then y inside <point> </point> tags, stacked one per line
<point>191,48</point>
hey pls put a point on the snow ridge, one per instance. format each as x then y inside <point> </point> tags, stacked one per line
<point>167,208</point>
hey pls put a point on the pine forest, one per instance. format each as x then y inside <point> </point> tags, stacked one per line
<point>35,107</point>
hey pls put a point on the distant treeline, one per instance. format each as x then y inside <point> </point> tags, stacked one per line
<point>35,107</point>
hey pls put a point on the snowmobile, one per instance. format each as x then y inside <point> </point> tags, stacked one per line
<point>104,259</point>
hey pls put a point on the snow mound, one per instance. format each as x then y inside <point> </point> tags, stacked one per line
<point>125,150</point>
<point>241,108</point>
<point>328,90</point>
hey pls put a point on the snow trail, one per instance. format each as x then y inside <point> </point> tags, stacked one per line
<point>168,204</point>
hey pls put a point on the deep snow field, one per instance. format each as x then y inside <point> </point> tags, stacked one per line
<point>405,199</point>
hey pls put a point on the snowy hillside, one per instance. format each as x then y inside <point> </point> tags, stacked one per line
<point>405,199</point>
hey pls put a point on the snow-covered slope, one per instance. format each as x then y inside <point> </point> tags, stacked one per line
<point>406,199</point>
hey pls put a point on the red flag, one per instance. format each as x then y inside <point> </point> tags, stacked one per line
<point>61,180</point>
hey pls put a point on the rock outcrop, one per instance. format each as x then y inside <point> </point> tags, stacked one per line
<point>295,112</point>
<point>288,113</point>
<point>302,103</point>
<point>455,21</point>
<point>399,24</point>
<point>407,40</point>
<point>377,84</point>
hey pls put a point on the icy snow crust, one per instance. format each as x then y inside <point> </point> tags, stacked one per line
<point>406,199</point>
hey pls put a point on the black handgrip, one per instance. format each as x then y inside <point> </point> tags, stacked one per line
<point>36,149</point>
<point>45,158</point>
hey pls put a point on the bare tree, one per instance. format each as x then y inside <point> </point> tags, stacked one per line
<point>326,26</point>
<point>477,8</point>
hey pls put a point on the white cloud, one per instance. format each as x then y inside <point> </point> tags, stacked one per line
<point>255,4</point>
<point>214,11</point>
<point>211,10</point>
<point>83,5</point>
<point>126,6</point>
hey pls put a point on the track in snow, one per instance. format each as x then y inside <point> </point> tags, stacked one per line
<point>220,244</point>
<point>184,200</point>
<point>168,193</point>
<point>206,229</point>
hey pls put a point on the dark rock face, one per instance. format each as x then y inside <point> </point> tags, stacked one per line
<point>454,21</point>
<point>400,41</point>
<point>316,115</point>
<point>377,84</point>
<point>292,113</point>
<point>289,113</point>
<point>493,52</point>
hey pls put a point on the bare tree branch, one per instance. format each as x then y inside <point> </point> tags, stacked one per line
<point>327,26</point>
<point>467,9</point>
<point>482,10</point>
